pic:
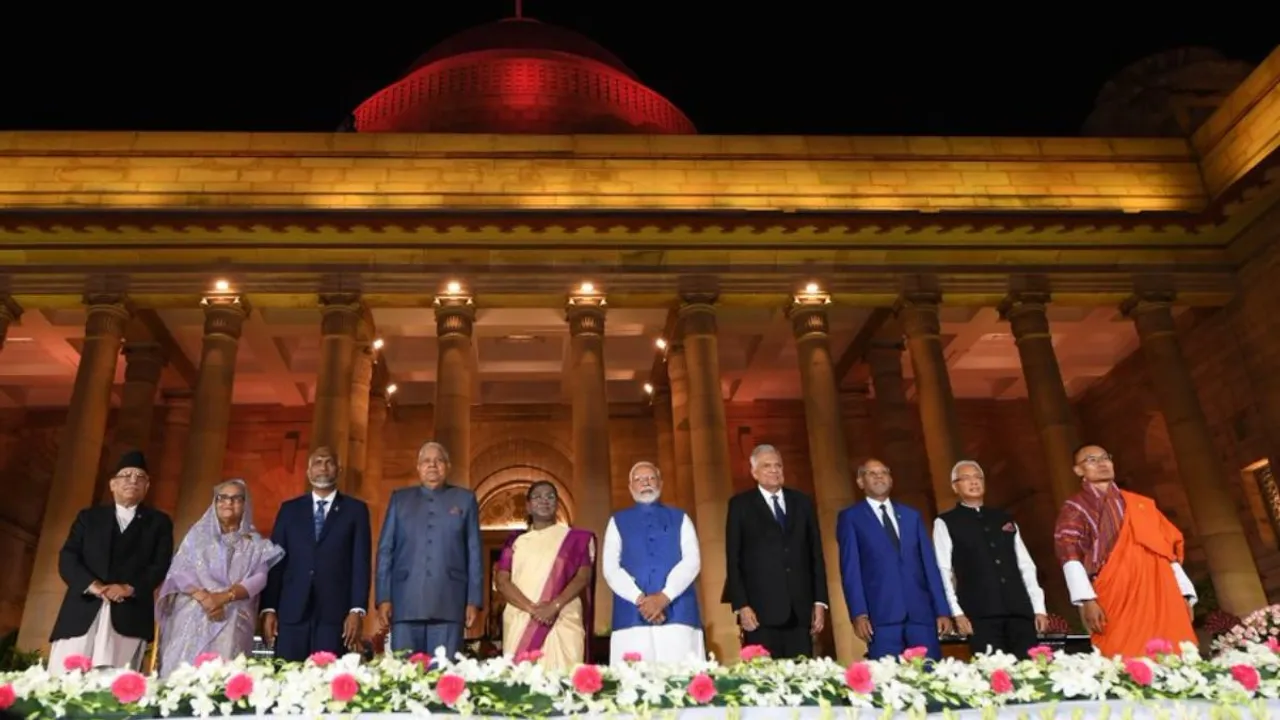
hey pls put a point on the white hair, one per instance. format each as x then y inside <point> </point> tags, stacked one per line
<point>657,471</point>
<point>761,450</point>
<point>955,469</point>
<point>444,453</point>
<point>217,489</point>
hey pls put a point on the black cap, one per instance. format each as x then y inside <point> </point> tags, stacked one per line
<point>132,459</point>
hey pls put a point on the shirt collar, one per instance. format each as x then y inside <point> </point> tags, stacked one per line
<point>126,511</point>
<point>328,500</point>
<point>875,504</point>
<point>770,495</point>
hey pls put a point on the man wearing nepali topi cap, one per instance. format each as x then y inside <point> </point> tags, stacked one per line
<point>113,560</point>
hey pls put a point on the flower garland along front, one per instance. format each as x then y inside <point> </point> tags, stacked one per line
<point>520,687</point>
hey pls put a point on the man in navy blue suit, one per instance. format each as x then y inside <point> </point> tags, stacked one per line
<point>889,571</point>
<point>317,596</point>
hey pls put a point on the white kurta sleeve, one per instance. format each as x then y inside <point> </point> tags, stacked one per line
<point>1185,586</point>
<point>1078,585</point>
<point>942,549</point>
<point>618,580</point>
<point>1027,567</point>
<point>685,571</point>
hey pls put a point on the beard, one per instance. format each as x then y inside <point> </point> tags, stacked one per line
<point>323,482</point>
<point>646,497</point>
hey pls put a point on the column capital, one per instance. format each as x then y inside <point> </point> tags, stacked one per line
<point>10,310</point>
<point>224,314</point>
<point>455,315</point>
<point>696,316</point>
<point>585,314</point>
<point>808,314</point>
<point>1151,311</point>
<point>341,314</point>
<point>1026,313</point>
<point>108,314</point>
<point>144,360</point>
<point>918,312</point>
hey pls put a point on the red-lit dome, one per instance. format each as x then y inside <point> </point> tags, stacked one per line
<point>520,76</point>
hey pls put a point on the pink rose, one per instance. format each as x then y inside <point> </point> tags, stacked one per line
<point>1159,646</point>
<point>858,677</point>
<point>129,687</point>
<point>344,687</point>
<point>632,657</point>
<point>450,687</point>
<point>702,688</point>
<point>322,658</point>
<point>1139,671</point>
<point>7,696</point>
<point>1246,675</point>
<point>751,652</point>
<point>1001,683</point>
<point>918,652</point>
<point>238,686</point>
<point>203,658</point>
<point>420,659</point>
<point>1041,652</point>
<point>77,662</point>
<point>1273,644</point>
<point>587,679</point>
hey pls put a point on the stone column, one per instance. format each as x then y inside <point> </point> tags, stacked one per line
<point>371,483</point>
<point>455,319</point>
<point>144,362</point>
<point>896,423</point>
<point>1050,406</point>
<point>681,443</point>
<point>166,477</point>
<point>918,312</point>
<point>224,316</point>
<point>75,470</point>
<point>592,466</point>
<point>331,417</point>
<point>357,443</point>
<point>712,469</point>
<point>667,448</point>
<point>833,486</point>
<point>10,312</point>
<point>1217,519</point>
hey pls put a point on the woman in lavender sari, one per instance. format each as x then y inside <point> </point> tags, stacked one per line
<point>545,575</point>
<point>209,601</point>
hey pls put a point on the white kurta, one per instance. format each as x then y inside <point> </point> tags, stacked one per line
<point>101,644</point>
<point>658,643</point>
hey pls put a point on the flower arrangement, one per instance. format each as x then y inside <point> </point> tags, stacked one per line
<point>1260,626</point>
<point>1219,622</point>
<point>420,684</point>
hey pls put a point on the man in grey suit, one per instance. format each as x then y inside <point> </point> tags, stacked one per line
<point>430,580</point>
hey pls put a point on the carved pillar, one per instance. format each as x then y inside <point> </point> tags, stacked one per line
<point>224,316</point>
<point>712,467</point>
<point>833,485</point>
<point>1050,406</point>
<point>667,448</point>
<point>896,423</point>
<point>455,318</point>
<point>357,443</point>
<point>144,362</point>
<point>371,484</point>
<point>1235,576</point>
<point>592,466</point>
<point>75,470</point>
<point>681,443</point>
<point>331,417</point>
<point>10,312</point>
<point>166,478</point>
<point>918,312</point>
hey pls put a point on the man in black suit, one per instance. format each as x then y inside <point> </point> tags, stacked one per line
<point>776,580</point>
<point>317,596</point>
<point>114,559</point>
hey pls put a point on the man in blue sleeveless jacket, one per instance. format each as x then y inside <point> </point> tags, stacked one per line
<point>650,560</point>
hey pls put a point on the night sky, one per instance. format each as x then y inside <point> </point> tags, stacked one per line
<point>824,68</point>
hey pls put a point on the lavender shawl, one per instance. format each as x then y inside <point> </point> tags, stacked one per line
<point>212,560</point>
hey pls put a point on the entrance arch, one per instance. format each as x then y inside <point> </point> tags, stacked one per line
<point>502,473</point>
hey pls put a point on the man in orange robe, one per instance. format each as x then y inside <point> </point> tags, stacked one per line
<point>1123,562</point>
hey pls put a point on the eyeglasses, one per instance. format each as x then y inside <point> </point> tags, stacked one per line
<point>233,499</point>
<point>135,478</point>
<point>1095,459</point>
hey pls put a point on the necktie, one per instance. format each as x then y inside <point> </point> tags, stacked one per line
<point>888,527</point>
<point>778,514</point>
<point>319,519</point>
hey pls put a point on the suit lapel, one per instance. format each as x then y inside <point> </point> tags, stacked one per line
<point>139,517</point>
<point>873,516</point>
<point>766,510</point>
<point>330,517</point>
